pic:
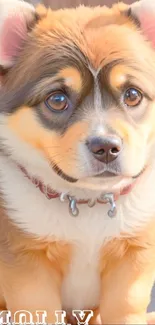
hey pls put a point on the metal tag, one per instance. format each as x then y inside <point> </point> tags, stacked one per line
<point>105,198</point>
<point>109,198</point>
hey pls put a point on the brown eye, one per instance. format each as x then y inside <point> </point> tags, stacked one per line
<point>132,97</point>
<point>57,101</point>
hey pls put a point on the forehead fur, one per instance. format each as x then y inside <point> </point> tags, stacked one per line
<point>84,38</point>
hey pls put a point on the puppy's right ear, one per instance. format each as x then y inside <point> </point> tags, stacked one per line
<point>144,11</point>
<point>16,19</point>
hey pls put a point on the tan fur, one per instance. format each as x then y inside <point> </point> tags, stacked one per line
<point>128,272</point>
<point>72,77</point>
<point>127,269</point>
<point>118,76</point>
<point>52,145</point>
<point>39,264</point>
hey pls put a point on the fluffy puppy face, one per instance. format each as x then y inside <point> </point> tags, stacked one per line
<point>79,91</point>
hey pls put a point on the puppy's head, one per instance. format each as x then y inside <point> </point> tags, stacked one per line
<point>78,91</point>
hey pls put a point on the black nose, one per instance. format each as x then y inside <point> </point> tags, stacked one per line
<point>105,149</point>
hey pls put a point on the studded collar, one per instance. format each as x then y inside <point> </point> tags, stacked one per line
<point>72,201</point>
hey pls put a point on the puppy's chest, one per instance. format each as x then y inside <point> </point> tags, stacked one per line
<point>33,212</point>
<point>29,209</point>
<point>86,233</point>
<point>81,284</point>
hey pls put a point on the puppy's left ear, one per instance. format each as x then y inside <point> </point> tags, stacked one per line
<point>16,20</point>
<point>144,12</point>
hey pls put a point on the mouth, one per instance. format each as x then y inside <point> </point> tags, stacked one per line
<point>105,181</point>
<point>108,174</point>
<point>127,188</point>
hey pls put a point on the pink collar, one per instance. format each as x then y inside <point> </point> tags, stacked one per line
<point>49,193</point>
<point>74,211</point>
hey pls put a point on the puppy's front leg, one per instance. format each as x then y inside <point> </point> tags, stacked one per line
<point>127,280</point>
<point>33,284</point>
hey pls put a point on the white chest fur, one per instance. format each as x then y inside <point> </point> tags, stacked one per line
<point>36,214</point>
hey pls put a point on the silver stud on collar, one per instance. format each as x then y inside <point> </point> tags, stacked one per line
<point>109,198</point>
<point>63,197</point>
<point>73,210</point>
<point>105,198</point>
<point>91,203</point>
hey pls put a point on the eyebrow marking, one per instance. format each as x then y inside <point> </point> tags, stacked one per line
<point>118,76</point>
<point>72,77</point>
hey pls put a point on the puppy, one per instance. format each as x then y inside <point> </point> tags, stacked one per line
<point>77,163</point>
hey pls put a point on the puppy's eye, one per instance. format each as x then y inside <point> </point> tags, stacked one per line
<point>57,101</point>
<point>132,97</point>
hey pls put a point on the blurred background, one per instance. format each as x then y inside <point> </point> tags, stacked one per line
<point>55,4</point>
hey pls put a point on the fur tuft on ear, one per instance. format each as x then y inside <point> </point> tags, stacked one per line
<point>16,18</point>
<point>144,11</point>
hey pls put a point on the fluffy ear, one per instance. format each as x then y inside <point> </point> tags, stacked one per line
<point>16,18</point>
<point>144,11</point>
